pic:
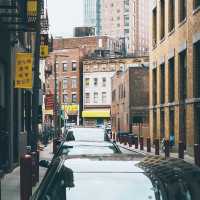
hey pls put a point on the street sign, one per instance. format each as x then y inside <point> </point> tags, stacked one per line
<point>23,71</point>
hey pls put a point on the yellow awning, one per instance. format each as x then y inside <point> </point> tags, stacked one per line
<point>96,113</point>
<point>48,112</point>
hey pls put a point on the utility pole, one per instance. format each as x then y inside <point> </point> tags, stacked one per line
<point>36,83</point>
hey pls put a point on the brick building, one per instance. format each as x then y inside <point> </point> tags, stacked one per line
<point>130,93</point>
<point>72,51</point>
<point>97,92</point>
<point>175,71</point>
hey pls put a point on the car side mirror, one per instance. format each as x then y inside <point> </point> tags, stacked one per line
<point>44,163</point>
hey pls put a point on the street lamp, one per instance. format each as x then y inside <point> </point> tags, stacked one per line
<point>57,123</point>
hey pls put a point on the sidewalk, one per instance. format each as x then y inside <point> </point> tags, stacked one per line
<point>10,184</point>
<point>187,158</point>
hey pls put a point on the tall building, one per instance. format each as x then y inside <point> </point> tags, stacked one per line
<point>175,71</point>
<point>128,20</point>
<point>92,14</point>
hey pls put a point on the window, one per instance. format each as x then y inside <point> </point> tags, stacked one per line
<point>171,15</point>
<point>182,10</point>
<point>103,97</point>
<point>74,100</point>
<point>113,95</point>
<point>95,81</point>
<point>64,67</point>
<point>74,66</point>
<point>95,97</point>
<point>197,69</point>
<point>162,123</point>
<point>87,97</point>
<point>162,84</point>
<point>104,82</point>
<point>183,75</point>
<point>154,86</point>
<point>87,81</point>
<point>162,19</point>
<point>171,80</point>
<point>154,35</point>
<point>74,83</point>
<point>196,4</point>
<point>65,98</point>
<point>64,83</point>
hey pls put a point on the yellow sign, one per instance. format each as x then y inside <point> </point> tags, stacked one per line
<point>71,108</point>
<point>23,73</point>
<point>32,8</point>
<point>96,113</point>
<point>44,51</point>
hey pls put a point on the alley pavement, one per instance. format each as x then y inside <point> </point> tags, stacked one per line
<point>10,184</point>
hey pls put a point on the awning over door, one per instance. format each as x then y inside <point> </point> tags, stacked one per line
<point>104,113</point>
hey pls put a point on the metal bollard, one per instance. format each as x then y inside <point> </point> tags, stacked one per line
<point>197,154</point>
<point>34,168</point>
<point>156,143</point>
<point>130,141</point>
<point>136,142</point>
<point>167,150</point>
<point>181,150</point>
<point>149,145</point>
<point>141,143</point>
<point>125,140</point>
<point>25,177</point>
<point>37,165</point>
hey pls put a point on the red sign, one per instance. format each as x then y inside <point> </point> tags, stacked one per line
<point>49,102</point>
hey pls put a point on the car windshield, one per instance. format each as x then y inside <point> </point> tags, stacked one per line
<point>84,149</point>
<point>86,134</point>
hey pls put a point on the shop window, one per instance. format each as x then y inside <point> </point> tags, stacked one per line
<point>171,13</point>
<point>162,19</point>
<point>197,69</point>
<point>74,98</point>
<point>182,10</point>
<point>162,83</point>
<point>183,74</point>
<point>154,86</point>
<point>171,80</point>
<point>154,35</point>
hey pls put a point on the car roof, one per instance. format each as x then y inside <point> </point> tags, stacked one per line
<point>88,143</point>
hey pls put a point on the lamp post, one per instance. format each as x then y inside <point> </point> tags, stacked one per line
<point>57,105</point>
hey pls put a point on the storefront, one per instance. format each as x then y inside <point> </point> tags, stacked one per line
<point>96,117</point>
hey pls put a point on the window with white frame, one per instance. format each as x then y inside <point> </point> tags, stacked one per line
<point>74,66</point>
<point>103,97</point>
<point>64,83</point>
<point>74,98</point>
<point>104,82</point>
<point>95,97</point>
<point>65,98</point>
<point>74,83</point>
<point>87,97</point>
<point>64,67</point>
<point>87,81</point>
<point>95,81</point>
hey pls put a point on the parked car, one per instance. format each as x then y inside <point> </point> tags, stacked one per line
<point>83,148</point>
<point>119,177</point>
<point>86,134</point>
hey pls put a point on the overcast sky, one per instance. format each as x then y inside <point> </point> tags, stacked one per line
<point>64,15</point>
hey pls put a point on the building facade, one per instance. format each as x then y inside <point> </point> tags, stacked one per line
<point>174,71</point>
<point>97,93</point>
<point>129,21</point>
<point>130,93</point>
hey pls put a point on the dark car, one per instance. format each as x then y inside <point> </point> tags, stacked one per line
<point>119,177</point>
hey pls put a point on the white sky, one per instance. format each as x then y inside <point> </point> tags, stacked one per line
<point>64,15</point>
